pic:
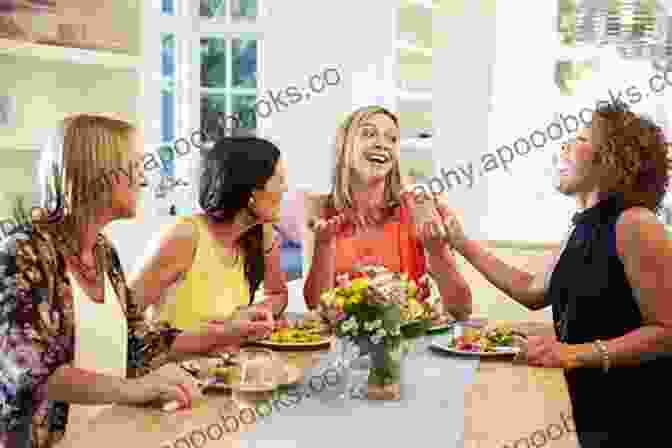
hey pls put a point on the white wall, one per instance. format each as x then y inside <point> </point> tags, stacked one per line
<point>464,40</point>
<point>518,203</point>
<point>304,40</point>
<point>523,202</point>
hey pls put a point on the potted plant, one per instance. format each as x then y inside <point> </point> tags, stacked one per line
<point>367,308</point>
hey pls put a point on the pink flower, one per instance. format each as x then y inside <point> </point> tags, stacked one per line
<point>340,316</point>
<point>25,357</point>
<point>343,281</point>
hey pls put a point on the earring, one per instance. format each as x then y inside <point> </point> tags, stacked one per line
<point>251,216</point>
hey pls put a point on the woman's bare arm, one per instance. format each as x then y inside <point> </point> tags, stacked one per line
<point>275,286</point>
<point>455,291</point>
<point>523,287</point>
<point>322,273</point>
<point>79,386</point>
<point>166,259</point>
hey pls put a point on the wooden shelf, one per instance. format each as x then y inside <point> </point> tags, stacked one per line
<point>110,60</point>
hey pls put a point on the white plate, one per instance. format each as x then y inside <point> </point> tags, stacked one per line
<point>445,345</point>
<point>441,326</point>
<point>501,351</point>
<point>292,376</point>
<point>322,343</point>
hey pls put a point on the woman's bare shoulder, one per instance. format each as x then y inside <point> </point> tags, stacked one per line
<point>174,244</point>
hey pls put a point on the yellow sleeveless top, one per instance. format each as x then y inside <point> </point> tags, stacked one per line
<point>212,289</point>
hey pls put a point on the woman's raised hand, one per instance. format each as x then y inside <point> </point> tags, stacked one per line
<point>346,225</point>
<point>429,225</point>
<point>452,224</point>
<point>327,230</point>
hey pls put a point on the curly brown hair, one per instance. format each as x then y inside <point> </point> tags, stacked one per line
<point>635,147</point>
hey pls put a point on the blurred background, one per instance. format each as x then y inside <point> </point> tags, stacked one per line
<point>465,77</point>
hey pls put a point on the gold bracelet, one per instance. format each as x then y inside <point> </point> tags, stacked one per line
<point>604,353</point>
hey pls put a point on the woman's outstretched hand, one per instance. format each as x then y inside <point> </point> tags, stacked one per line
<point>344,225</point>
<point>429,225</point>
<point>436,223</point>
<point>451,223</point>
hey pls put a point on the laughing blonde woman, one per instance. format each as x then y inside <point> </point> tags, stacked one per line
<point>72,335</point>
<point>367,220</point>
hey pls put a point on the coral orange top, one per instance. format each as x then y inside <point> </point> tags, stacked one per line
<point>396,248</point>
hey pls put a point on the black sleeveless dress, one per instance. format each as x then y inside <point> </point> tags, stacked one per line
<point>592,299</point>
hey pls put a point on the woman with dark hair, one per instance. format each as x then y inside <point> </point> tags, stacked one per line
<point>610,286</point>
<point>208,267</point>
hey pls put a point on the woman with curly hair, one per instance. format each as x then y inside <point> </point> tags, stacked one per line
<point>609,287</point>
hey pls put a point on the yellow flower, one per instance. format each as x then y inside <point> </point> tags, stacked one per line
<point>415,309</point>
<point>412,288</point>
<point>340,301</point>
<point>327,298</point>
<point>355,299</point>
<point>360,284</point>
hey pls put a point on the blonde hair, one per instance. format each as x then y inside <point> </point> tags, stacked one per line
<point>88,150</point>
<point>340,197</point>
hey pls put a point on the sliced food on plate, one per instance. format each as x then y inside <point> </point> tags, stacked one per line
<point>490,340</point>
<point>306,332</point>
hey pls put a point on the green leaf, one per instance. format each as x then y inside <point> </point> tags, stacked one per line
<point>415,329</point>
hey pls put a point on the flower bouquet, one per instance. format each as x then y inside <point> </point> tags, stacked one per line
<point>377,310</point>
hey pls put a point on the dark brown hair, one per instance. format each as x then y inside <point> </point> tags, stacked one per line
<point>635,147</point>
<point>231,171</point>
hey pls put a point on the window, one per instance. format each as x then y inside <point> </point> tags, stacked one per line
<point>209,75</point>
<point>228,84</point>
<point>637,28</point>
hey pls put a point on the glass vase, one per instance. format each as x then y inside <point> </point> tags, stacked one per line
<point>384,381</point>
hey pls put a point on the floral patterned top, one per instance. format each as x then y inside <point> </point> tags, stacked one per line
<point>37,333</point>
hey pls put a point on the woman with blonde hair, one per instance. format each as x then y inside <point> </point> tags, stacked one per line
<point>369,217</point>
<point>71,334</point>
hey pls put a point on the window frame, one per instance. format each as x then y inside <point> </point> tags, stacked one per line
<point>189,28</point>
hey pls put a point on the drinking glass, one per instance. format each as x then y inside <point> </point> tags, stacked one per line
<point>349,353</point>
<point>345,350</point>
<point>258,368</point>
<point>358,377</point>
